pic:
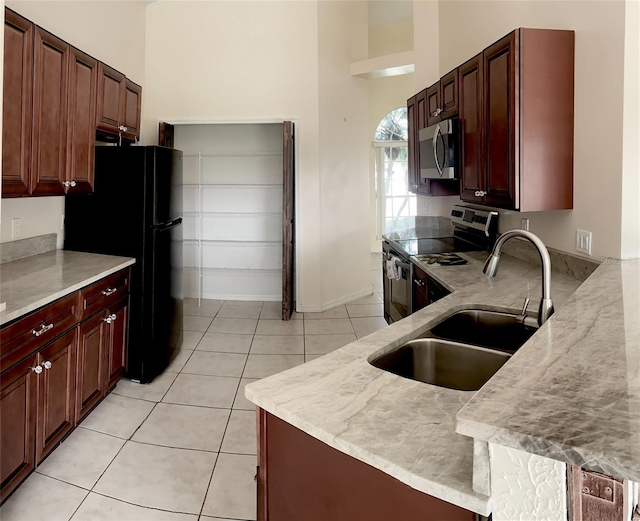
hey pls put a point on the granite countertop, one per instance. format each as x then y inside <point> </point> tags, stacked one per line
<point>33,282</point>
<point>403,427</point>
<point>572,392</point>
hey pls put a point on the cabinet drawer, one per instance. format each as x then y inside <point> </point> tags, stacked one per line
<point>102,293</point>
<point>32,332</point>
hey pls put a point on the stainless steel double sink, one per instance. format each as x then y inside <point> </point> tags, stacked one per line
<point>462,352</point>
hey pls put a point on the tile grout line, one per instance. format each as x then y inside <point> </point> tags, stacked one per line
<point>229,418</point>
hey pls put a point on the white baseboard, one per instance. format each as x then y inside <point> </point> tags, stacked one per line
<point>250,298</point>
<point>335,303</point>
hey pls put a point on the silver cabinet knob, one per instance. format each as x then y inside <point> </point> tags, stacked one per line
<point>110,318</point>
<point>109,291</point>
<point>43,329</point>
<point>122,128</point>
<point>480,193</point>
<point>46,364</point>
<point>69,183</point>
<point>437,112</point>
<point>37,369</point>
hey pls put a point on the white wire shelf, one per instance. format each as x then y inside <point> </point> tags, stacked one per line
<point>234,185</point>
<point>237,243</point>
<point>240,154</point>
<point>235,214</point>
<point>255,270</point>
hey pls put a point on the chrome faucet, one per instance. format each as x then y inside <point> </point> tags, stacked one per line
<point>491,268</point>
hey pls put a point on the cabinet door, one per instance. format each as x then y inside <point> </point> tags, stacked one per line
<point>17,107</point>
<point>471,117</point>
<point>500,98</point>
<point>111,94</point>
<point>449,94</point>
<point>90,370</point>
<point>412,131</point>
<point>117,352</point>
<point>49,133</point>
<point>421,116</point>
<point>56,393</point>
<point>17,425</point>
<point>132,108</point>
<point>83,96</point>
<point>434,105</point>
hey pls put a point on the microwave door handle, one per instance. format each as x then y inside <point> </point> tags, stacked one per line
<point>435,150</point>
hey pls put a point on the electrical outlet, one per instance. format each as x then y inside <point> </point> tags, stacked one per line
<point>426,207</point>
<point>15,228</point>
<point>583,241</point>
<point>524,224</point>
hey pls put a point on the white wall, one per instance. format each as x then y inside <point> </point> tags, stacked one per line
<point>113,32</point>
<point>631,134</point>
<point>344,152</point>
<point>239,61</point>
<point>467,27</point>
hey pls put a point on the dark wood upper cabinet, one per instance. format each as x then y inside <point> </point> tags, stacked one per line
<point>17,425</point>
<point>111,95</point>
<point>49,133</point>
<point>500,93</point>
<point>412,135</point>
<point>81,127</point>
<point>449,94</point>
<point>56,393</point>
<point>526,124</point>
<point>132,110</point>
<point>119,105</point>
<point>434,105</point>
<point>17,105</point>
<point>471,139</point>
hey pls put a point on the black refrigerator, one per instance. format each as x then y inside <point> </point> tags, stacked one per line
<point>136,211</point>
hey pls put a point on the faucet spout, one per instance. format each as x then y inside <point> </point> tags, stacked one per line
<point>491,268</point>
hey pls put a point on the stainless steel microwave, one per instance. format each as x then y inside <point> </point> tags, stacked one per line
<point>438,150</point>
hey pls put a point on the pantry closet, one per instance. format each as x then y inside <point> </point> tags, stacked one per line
<point>238,225</point>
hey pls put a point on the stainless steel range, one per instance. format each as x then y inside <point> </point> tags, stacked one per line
<point>473,230</point>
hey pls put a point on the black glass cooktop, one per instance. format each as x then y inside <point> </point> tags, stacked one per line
<point>440,245</point>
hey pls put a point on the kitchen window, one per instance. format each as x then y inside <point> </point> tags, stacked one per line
<point>395,204</point>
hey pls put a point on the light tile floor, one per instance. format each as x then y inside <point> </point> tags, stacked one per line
<point>183,447</point>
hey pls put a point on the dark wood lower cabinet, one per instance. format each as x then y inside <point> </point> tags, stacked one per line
<point>91,359</point>
<point>56,388</point>
<point>117,348</point>
<point>299,477</point>
<point>17,424</point>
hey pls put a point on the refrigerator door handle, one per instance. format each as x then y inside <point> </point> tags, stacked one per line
<point>167,225</point>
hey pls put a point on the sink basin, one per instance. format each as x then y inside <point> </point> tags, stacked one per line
<point>492,329</point>
<point>443,363</point>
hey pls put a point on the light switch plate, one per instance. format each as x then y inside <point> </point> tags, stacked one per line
<point>524,224</point>
<point>3,306</point>
<point>583,241</point>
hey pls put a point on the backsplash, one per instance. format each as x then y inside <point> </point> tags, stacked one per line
<point>561,261</point>
<point>15,250</point>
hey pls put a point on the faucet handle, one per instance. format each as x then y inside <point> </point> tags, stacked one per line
<point>525,306</point>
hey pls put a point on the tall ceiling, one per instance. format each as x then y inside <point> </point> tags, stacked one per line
<point>382,12</point>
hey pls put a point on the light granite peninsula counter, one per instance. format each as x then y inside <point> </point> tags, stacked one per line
<point>32,282</point>
<point>403,427</point>
<point>572,392</point>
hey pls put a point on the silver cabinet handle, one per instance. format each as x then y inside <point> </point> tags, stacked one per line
<point>43,329</point>
<point>110,318</point>
<point>37,369</point>
<point>109,291</point>
<point>419,282</point>
<point>69,183</point>
<point>46,364</point>
<point>480,193</point>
